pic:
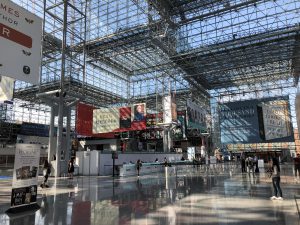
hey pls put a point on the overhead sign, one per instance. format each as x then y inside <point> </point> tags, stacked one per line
<point>6,88</point>
<point>25,175</point>
<point>20,43</point>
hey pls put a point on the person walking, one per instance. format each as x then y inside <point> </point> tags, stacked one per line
<point>71,168</point>
<point>275,170</point>
<point>297,166</point>
<point>138,166</point>
<point>46,173</point>
<point>243,164</point>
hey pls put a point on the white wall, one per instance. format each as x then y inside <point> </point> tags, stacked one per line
<point>106,159</point>
<point>96,163</point>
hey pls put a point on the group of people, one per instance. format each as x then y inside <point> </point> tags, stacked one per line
<point>139,164</point>
<point>47,171</point>
<point>249,164</point>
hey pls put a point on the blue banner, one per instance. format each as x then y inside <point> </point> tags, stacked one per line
<point>256,121</point>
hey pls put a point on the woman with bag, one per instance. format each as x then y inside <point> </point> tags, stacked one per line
<point>276,179</point>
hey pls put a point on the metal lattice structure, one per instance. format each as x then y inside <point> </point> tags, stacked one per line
<point>139,50</point>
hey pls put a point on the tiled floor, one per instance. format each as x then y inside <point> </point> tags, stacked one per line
<point>215,196</point>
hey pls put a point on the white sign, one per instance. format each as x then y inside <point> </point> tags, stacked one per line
<point>6,88</point>
<point>105,120</point>
<point>25,174</point>
<point>20,43</point>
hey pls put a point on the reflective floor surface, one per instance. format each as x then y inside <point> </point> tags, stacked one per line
<point>214,196</point>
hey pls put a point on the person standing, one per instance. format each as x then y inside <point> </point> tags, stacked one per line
<point>138,166</point>
<point>71,168</point>
<point>297,165</point>
<point>46,173</point>
<point>275,169</point>
<point>243,164</point>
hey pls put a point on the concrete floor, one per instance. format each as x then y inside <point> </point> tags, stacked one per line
<point>214,196</point>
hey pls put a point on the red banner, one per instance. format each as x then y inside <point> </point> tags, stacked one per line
<point>84,122</point>
<point>15,36</point>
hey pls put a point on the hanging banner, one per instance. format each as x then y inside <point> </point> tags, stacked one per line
<point>20,41</point>
<point>196,116</point>
<point>167,109</point>
<point>297,109</point>
<point>25,175</point>
<point>276,119</point>
<point>125,117</point>
<point>139,112</point>
<point>105,120</point>
<point>6,88</point>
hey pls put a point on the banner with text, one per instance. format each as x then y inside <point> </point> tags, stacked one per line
<point>25,174</point>
<point>255,121</point>
<point>277,123</point>
<point>105,120</point>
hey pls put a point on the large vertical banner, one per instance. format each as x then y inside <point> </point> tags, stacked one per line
<point>297,109</point>
<point>276,119</point>
<point>125,117</point>
<point>25,175</point>
<point>196,116</point>
<point>20,43</point>
<point>167,109</point>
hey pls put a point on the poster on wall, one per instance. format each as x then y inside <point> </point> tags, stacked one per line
<point>25,175</point>
<point>105,120</point>
<point>20,39</point>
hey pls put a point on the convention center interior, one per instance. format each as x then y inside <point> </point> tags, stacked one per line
<point>149,112</point>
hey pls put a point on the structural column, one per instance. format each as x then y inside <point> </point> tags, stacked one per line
<point>51,145</point>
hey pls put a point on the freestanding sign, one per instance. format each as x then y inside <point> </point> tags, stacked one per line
<point>25,176</point>
<point>20,43</point>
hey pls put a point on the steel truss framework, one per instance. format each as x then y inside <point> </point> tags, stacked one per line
<point>139,50</point>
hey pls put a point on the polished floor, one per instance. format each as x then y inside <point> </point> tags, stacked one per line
<point>214,196</point>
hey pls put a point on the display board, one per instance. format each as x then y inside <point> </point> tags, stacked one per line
<point>25,175</point>
<point>20,40</point>
<point>255,121</point>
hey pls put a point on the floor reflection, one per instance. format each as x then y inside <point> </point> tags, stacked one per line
<point>197,196</point>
